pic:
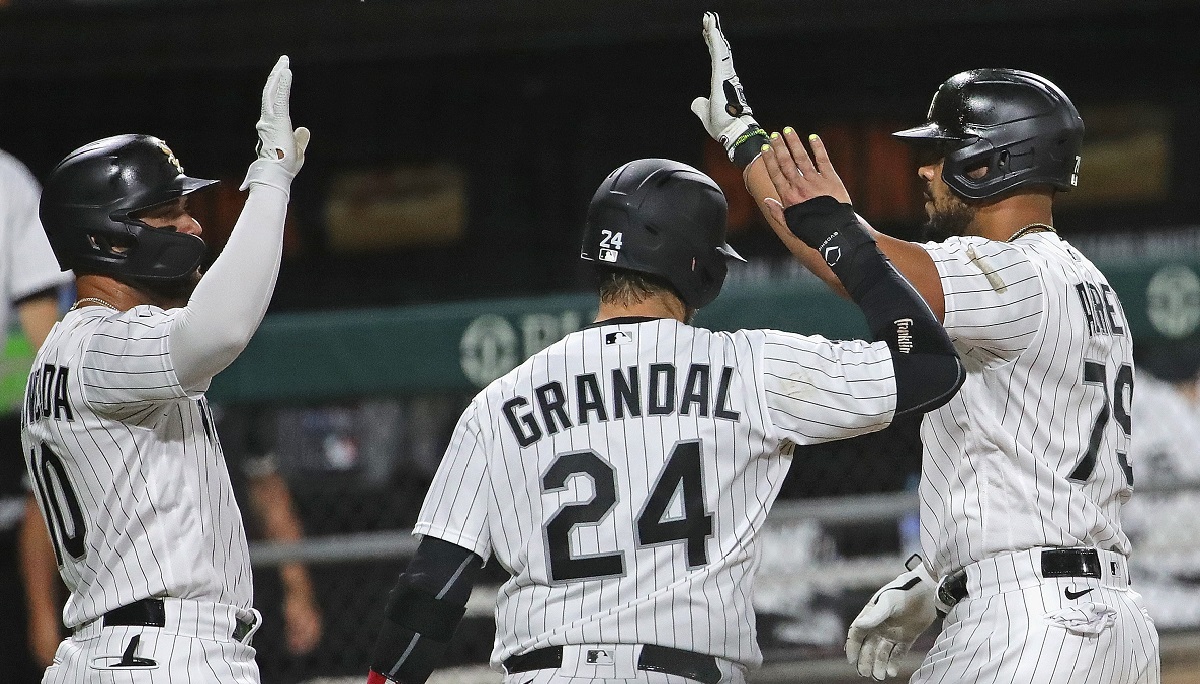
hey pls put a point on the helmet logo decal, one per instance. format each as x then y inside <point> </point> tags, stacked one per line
<point>1075,173</point>
<point>170,156</point>
<point>610,245</point>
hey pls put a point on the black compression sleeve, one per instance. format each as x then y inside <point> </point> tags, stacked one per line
<point>928,370</point>
<point>423,611</point>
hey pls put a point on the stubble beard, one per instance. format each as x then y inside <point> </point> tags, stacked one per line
<point>948,218</point>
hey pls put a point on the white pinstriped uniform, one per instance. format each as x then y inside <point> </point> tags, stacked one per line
<point>581,514</point>
<point>131,479</point>
<point>1031,453</point>
<point>27,265</point>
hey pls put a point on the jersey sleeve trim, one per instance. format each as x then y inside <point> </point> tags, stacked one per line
<point>474,544</point>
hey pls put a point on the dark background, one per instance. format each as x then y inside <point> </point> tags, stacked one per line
<point>537,102</point>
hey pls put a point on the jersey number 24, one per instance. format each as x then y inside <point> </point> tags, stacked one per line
<point>683,470</point>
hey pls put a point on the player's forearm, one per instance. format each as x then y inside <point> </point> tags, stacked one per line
<point>928,369</point>
<point>39,571</point>
<point>38,315</point>
<point>232,297</point>
<point>759,185</point>
<point>423,612</point>
<point>273,505</point>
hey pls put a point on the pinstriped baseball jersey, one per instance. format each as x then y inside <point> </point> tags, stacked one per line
<point>621,476</point>
<point>127,468</point>
<point>1032,450</point>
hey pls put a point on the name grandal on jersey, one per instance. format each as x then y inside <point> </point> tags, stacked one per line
<point>622,395</point>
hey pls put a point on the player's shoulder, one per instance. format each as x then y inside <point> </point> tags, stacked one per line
<point>15,176</point>
<point>11,165</point>
<point>104,326</point>
<point>969,247</point>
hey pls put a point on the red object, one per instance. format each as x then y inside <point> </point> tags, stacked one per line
<point>376,678</point>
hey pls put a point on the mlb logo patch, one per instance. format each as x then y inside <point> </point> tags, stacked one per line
<point>598,656</point>
<point>617,337</point>
<point>609,255</point>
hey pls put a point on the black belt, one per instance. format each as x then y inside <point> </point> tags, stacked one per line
<point>1055,563</point>
<point>674,661</point>
<point>150,612</point>
<point>144,613</point>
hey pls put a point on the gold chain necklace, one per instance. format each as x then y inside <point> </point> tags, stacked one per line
<point>1032,228</point>
<point>94,300</point>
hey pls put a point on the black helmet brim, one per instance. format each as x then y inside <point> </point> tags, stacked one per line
<point>730,253</point>
<point>189,185</point>
<point>928,132</point>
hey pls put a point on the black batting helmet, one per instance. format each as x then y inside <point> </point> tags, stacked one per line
<point>1018,125</point>
<point>87,206</point>
<point>664,218</point>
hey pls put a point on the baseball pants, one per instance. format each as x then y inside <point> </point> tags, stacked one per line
<point>196,645</point>
<point>1017,626</point>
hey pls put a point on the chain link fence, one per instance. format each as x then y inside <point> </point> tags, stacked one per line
<point>845,520</point>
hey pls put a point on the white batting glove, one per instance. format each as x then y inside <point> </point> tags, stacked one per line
<point>280,149</point>
<point>891,621</point>
<point>725,113</point>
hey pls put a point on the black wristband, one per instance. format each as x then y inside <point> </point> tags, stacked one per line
<point>831,228</point>
<point>747,147</point>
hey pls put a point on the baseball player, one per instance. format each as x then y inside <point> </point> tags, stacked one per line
<point>117,437</point>
<point>1026,469</point>
<point>621,475</point>
<point>29,282</point>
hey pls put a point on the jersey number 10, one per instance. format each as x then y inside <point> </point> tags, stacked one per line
<point>682,471</point>
<point>64,515</point>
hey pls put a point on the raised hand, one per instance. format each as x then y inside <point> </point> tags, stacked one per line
<point>280,148</point>
<point>725,113</point>
<point>798,177</point>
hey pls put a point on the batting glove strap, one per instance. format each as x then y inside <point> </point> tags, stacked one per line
<point>748,146</point>
<point>268,173</point>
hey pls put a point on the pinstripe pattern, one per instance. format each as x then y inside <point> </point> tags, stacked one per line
<point>489,494</point>
<point>157,507</point>
<point>1047,350</point>
<point>1016,626</point>
<point>997,456</point>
